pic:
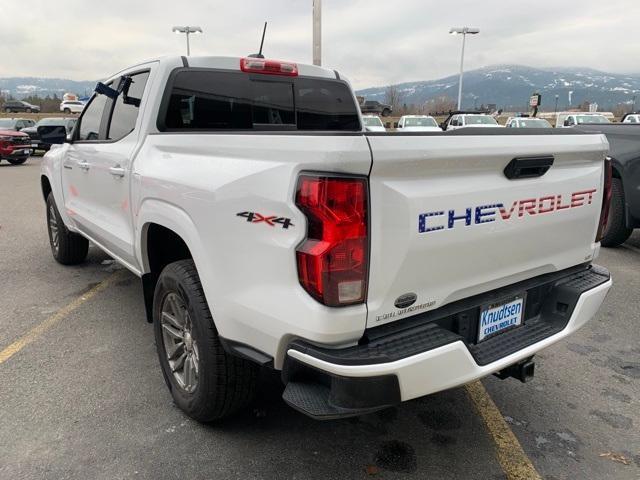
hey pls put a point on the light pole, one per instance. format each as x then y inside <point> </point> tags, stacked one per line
<point>555,110</point>
<point>464,31</point>
<point>317,32</point>
<point>187,30</point>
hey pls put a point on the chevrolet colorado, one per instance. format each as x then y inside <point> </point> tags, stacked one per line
<point>270,229</point>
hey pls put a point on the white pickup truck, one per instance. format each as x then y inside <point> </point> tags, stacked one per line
<point>270,229</point>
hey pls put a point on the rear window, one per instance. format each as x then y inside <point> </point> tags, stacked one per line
<point>213,100</point>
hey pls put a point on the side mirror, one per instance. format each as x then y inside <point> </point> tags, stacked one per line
<point>566,123</point>
<point>52,134</point>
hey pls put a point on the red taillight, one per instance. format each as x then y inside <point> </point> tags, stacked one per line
<point>606,198</point>
<point>333,260</point>
<point>268,67</point>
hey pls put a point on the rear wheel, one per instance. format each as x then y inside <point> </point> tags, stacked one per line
<point>67,111</point>
<point>386,112</point>
<point>68,248</point>
<point>616,231</point>
<point>16,161</point>
<point>205,381</point>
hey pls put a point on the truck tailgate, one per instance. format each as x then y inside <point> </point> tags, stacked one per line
<point>447,223</point>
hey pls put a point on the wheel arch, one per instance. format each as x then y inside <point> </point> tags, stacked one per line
<point>45,186</point>
<point>167,234</point>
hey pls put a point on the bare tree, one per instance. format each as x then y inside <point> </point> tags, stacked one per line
<point>439,105</point>
<point>394,97</point>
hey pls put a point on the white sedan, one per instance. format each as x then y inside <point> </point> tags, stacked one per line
<point>418,123</point>
<point>372,123</point>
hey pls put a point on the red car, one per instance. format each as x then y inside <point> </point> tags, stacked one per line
<point>15,147</point>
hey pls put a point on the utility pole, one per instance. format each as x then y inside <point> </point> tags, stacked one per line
<point>555,110</point>
<point>317,32</point>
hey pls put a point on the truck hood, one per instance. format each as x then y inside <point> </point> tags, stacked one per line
<point>12,133</point>
<point>421,129</point>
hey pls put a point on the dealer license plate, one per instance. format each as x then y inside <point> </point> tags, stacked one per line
<point>500,316</point>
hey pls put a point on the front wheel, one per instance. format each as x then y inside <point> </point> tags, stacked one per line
<point>386,112</point>
<point>68,248</point>
<point>8,110</point>
<point>67,111</point>
<point>616,231</point>
<point>16,161</point>
<point>205,381</point>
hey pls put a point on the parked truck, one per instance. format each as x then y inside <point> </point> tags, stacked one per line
<point>271,230</point>
<point>624,150</point>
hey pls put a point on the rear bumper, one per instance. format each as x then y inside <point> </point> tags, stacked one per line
<point>447,361</point>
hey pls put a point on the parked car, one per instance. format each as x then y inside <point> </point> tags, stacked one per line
<point>372,123</point>
<point>565,120</point>
<point>15,123</point>
<point>373,106</point>
<point>15,106</point>
<point>15,146</point>
<point>527,122</point>
<point>36,143</point>
<point>363,268</point>
<point>71,106</point>
<point>475,120</point>
<point>631,118</point>
<point>624,150</point>
<point>418,123</point>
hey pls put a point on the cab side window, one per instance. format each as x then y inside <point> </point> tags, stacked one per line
<point>123,119</point>
<point>92,118</point>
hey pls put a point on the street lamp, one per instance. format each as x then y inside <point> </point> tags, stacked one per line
<point>187,30</point>
<point>464,31</point>
<point>555,110</point>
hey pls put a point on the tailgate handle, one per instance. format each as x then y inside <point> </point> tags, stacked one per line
<point>528,167</point>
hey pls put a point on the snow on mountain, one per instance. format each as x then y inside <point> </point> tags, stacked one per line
<point>510,86</point>
<point>20,87</point>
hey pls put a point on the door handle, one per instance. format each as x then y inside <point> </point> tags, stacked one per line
<point>117,171</point>
<point>84,165</point>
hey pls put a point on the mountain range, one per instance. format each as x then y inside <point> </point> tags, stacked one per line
<point>21,87</point>
<point>511,86</point>
<point>507,86</point>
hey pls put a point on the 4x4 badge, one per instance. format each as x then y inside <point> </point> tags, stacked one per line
<point>272,220</point>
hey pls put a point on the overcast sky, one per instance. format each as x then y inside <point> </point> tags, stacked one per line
<point>373,42</point>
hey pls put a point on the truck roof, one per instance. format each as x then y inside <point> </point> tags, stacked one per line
<point>228,63</point>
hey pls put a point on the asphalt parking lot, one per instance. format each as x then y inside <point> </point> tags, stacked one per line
<point>82,395</point>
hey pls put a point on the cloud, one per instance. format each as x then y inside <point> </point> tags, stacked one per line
<point>373,42</point>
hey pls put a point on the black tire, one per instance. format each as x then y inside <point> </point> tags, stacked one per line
<point>616,231</point>
<point>8,110</point>
<point>67,111</point>
<point>70,248</point>
<point>386,112</point>
<point>16,161</point>
<point>225,383</point>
